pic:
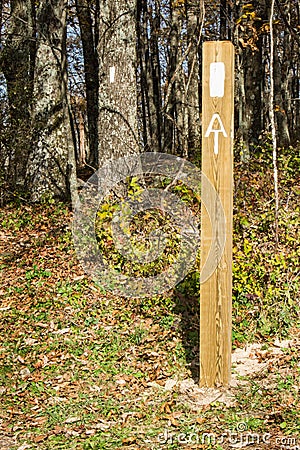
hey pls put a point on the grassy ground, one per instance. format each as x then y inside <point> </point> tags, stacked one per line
<point>82,369</point>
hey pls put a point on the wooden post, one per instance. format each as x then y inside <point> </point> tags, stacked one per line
<point>216,213</point>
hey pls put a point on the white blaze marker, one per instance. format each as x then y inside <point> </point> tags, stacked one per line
<point>217,79</point>
<point>112,72</point>
<point>216,132</point>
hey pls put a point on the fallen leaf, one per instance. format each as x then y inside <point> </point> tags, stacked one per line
<point>90,432</point>
<point>172,420</point>
<point>200,420</point>
<point>170,384</point>
<point>40,438</point>
<point>41,324</point>
<point>62,331</point>
<point>72,420</point>
<point>40,420</point>
<point>58,429</point>
<point>24,446</point>
<point>166,408</point>
<point>30,341</point>
<point>129,441</point>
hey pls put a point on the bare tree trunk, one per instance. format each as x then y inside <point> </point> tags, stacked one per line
<point>156,71</point>
<point>195,17</point>
<point>17,64</point>
<point>142,50</point>
<point>243,125</point>
<point>272,120</point>
<point>253,84</point>
<point>150,74</point>
<point>182,119</point>
<point>52,155</point>
<point>79,120</point>
<point>147,78</point>
<point>172,96</point>
<point>296,102</point>
<point>118,133</point>
<point>281,116</point>
<point>91,74</point>
<point>241,118</point>
<point>250,39</point>
<point>239,91</point>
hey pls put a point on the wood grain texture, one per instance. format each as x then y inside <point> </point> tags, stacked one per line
<point>216,291</point>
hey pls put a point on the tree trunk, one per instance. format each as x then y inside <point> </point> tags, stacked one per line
<point>17,64</point>
<point>51,159</point>
<point>194,27</point>
<point>254,77</point>
<point>173,96</point>
<point>118,133</point>
<point>223,20</point>
<point>142,79</point>
<point>156,74</point>
<point>279,83</point>
<point>253,82</point>
<point>91,75</point>
<point>272,120</point>
<point>146,78</point>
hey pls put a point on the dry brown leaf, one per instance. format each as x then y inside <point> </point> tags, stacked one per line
<point>172,420</point>
<point>72,420</point>
<point>129,441</point>
<point>40,420</point>
<point>41,325</point>
<point>58,429</point>
<point>200,420</point>
<point>40,438</point>
<point>166,408</point>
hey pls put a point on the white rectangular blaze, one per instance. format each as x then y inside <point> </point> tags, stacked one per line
<point>217,79</point>
<point>112,73</point>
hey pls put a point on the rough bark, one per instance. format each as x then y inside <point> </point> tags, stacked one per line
<point>253,73</point>
<point>253,68</point>
<point>142,77</point>
<point>172,95</point>
<point>223,20</point>
<point>17,64</point>
<point>156,74</point>
<point>194,22</point>
<point>118,134</point>
<point>281,116</point>
<point>146,79</point>
<point>272,120</point>
<point>51,160</point>
<point>91,74</point>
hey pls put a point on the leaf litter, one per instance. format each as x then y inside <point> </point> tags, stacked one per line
<point>80,367</point>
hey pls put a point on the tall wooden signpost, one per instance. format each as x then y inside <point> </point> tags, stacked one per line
<point>217,167</point>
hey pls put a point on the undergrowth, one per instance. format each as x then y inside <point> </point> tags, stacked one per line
<point>82,369</point>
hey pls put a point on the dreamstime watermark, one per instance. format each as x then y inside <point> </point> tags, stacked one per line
<point>238,438</point>
<point>105,180</point>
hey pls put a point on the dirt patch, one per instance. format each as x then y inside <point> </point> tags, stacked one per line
<point>254,360</point>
